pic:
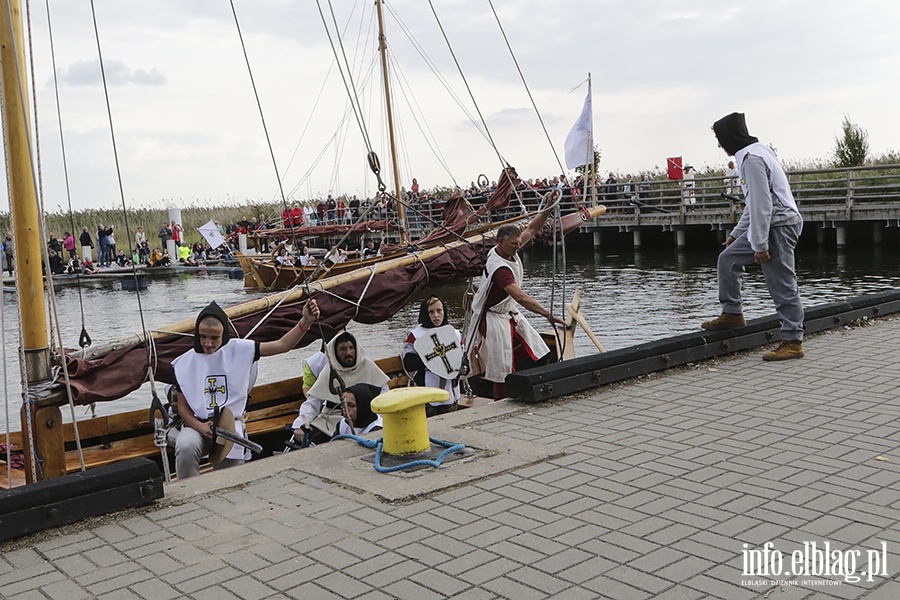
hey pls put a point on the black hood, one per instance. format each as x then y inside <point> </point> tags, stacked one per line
<point>731,131</point>
<point>364,394</point>
<point>424,319</point>
<point>212,310</point>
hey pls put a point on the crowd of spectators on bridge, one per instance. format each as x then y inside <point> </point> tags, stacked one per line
<point>424,208</point>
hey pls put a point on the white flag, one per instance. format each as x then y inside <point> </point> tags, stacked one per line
<point>211,234</point>
<point>578,141</point>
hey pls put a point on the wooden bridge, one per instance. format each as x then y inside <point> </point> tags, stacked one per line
<point>828,199</point>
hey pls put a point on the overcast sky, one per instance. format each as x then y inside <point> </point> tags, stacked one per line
<point>188,130</point>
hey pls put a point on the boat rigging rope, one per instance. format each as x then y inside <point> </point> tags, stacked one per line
<point>552,147</point>
<point>346,77</point>
<point>51,292</point>
<point>26,394</point>
<point>462,75</point>
<point>84,340</point>
<point>5,387</point>
<point>273,309</point>
<point>262,117</point>
<point>151,362</point>
<point>525,83</point>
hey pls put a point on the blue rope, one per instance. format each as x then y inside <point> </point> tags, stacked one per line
<point>378,446</point>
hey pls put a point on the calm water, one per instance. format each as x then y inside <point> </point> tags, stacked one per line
<point>627,299</point>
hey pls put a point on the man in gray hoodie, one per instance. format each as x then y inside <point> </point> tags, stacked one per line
<point>766,234</point>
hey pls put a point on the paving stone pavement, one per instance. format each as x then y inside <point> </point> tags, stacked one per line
<point>662,487</point>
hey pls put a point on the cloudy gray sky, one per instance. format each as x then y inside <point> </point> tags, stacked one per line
<point>188,130</point>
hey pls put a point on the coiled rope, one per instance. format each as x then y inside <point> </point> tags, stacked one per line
<point>378,446</point>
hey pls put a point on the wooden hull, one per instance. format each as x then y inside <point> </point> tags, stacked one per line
<point>271,410</point>
<point>263,272</point>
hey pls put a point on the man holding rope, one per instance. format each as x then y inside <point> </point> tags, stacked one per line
<point>504,341</point>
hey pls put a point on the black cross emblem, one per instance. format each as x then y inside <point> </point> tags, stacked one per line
<point>212,390</point>
<point>441,350</point>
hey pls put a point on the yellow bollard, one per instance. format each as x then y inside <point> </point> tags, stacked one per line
<point>403,413</point>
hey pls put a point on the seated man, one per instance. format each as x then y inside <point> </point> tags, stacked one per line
<point>184,255</point>
<point>88,267</point>
<point>158,259</point>
<point>335,255</point>
<point>369,251</point>
<point>219,373</point>
<point>321,412</point>
<point>305,259</point>
<point>56,262</point>
<point>283,259</point>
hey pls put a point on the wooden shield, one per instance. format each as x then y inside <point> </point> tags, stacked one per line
<point>441,352</point>
<point>222,446</point>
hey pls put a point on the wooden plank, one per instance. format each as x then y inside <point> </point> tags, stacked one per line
<point>15,439</point>
<point>95,456</point>
<point>259,421</point>
<point>269,425</point>
<point>272,391</point>
<point>291,408</point>
<point>18,477</point>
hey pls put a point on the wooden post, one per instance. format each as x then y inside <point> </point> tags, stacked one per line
<point>25,215</point>
<point>48,442</point>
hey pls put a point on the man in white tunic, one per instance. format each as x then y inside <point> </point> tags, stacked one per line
<point>218,373</point>
<point>321,413</point>
<point>496,308</point>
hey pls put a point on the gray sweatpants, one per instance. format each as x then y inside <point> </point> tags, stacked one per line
<point>778,273</point>
<point>190,447</point>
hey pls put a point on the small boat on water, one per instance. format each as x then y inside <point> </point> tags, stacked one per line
<point>116,274</point>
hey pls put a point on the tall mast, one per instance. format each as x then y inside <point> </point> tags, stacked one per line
<point>593,169</point>
<point>26,229</point>
<point>382,47</point>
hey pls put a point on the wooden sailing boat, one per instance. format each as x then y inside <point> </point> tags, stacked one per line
<point>366,295</point>
<point>264,272</point>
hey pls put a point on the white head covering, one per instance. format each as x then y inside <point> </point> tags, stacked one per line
<point>363,370</point>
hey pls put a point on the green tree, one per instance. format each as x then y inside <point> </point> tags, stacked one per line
<point>580,170</point>
<point>852,147</point>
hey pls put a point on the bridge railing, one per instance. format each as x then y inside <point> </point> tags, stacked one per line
<point>829,194</point>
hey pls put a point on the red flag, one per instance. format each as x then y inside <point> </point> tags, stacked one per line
<point>674,167</point>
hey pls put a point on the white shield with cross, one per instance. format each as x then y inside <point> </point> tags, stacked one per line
<point>441,351</point>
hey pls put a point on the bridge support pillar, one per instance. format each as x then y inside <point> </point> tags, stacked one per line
<point>680,238</point>
<point>877,233</point>
<point>841,237</point>
<point>597,238</point>
<point>820,235</point>
<point>636,236</point>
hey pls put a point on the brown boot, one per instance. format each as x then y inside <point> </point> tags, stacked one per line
<point>785,351</point>
<point>725,321</point>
